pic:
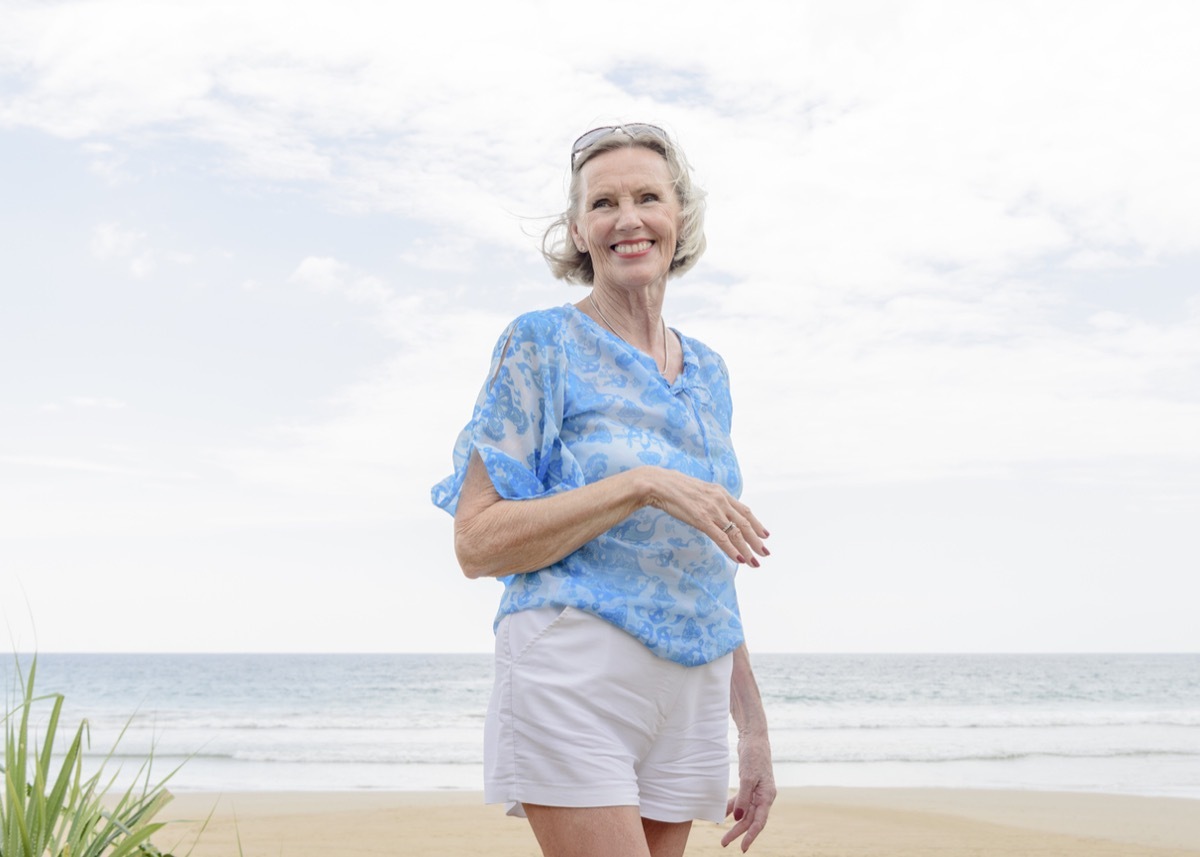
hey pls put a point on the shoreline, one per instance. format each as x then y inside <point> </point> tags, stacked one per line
<point>898,822</point>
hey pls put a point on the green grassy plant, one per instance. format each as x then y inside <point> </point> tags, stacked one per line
<point>46,812</point>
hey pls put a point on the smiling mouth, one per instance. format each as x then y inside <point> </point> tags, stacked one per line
<point>630,249</point>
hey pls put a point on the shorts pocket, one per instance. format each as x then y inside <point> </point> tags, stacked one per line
<point>527,628</point>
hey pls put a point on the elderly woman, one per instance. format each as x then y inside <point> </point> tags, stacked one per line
<point>596,479</point>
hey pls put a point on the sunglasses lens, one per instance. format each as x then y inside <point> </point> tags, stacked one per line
<point>595,134</point>
<point>589,138</point>
<point>649,129</point>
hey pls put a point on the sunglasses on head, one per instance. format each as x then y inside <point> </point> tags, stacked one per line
<point>587,139</point>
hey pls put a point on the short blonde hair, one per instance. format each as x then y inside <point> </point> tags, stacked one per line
<point>564,258</point>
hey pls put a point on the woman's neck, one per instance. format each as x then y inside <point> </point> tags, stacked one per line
<point>638,322</point>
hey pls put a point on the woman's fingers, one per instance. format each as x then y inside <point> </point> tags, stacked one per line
<point>755,523</point>
<point>742,535</point>
<point>746,535</point>
<point>712,510</point>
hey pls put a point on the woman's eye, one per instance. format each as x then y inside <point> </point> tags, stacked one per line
<point>601,203</point>
<point>649,197</point>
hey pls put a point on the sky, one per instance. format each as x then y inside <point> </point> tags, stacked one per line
<point>254,257</point>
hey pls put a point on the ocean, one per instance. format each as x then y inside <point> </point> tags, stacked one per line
<point>1125,724</point>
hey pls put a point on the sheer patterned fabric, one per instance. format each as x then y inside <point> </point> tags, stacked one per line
<point>567,403</point>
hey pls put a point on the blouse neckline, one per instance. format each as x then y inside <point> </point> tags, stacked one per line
<point>689,357</point>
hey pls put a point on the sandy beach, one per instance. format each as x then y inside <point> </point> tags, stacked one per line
<point>823,822</point>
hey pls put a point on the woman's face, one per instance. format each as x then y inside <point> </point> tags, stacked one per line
<point>629,217</point>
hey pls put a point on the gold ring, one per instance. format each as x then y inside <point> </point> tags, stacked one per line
<point>729,527</point>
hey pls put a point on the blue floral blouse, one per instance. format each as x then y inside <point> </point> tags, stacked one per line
<point>567,403</point>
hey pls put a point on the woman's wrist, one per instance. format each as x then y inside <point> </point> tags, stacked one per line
<point>649,486</point>
<point>753,733</point>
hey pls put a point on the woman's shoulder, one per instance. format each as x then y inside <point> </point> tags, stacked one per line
<point>540,335</point>
<point>544,325</point>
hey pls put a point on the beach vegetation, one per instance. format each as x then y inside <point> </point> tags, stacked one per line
<point>50,806</point>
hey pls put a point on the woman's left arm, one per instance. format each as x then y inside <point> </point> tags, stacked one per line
<point>756,777</point>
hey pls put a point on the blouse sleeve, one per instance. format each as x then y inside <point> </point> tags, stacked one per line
<point>517,417</point>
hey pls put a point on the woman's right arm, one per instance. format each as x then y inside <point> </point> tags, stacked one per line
<point>495,537</point>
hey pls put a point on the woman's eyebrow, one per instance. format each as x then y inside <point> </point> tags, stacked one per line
<point>649,186</point>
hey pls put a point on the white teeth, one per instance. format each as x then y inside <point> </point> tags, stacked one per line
<point>639,247</point>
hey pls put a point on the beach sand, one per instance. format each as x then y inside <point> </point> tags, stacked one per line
<point>822,822</point>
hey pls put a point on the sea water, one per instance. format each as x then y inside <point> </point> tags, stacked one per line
<point>1112,723</point>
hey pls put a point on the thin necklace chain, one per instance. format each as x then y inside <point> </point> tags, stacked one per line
<point>608,324</point>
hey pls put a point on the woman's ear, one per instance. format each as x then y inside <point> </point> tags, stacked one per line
<point>577,237</point>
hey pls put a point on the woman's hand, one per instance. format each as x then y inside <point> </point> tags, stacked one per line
<point>756,776</point>
<point>756,790</point>
<point>710,509</point>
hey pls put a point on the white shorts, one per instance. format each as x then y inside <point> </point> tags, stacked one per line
<point>582,714</point>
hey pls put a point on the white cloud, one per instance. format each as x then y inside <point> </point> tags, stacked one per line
<point>325,274</point>
<point>108,164</point>
<point>387,437</point>
<point>453,254</point>
<point>115,242</point>
<point>390,310</point>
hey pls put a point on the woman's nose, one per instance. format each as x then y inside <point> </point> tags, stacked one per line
<point>628,216</point>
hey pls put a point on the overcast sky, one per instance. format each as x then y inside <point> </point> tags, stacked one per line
<point>254,257</point>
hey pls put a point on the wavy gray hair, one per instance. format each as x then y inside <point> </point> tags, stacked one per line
<point>564,258</point>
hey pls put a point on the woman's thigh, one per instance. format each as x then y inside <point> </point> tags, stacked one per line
<point>604,831</point>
